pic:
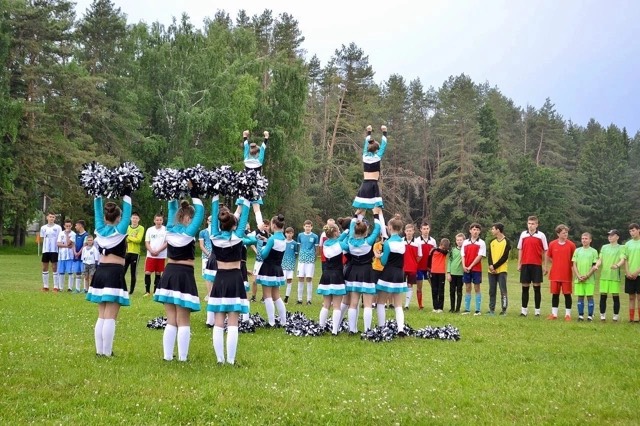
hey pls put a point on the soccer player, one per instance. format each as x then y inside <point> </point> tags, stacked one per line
<point>454,274</point>
<point>307,247</point>
<point>78,267</point>
<point>135,234</point>
<point>609,264</point>
<point>428,243</point>
<point>472,251</point>
<point>155,240</point>
<point>561,274</point>
<point>49,234</point>
<point>66,243</point>
<point>585,260</point>
<point>532,263</point>
<point>412,255</point>
<point>498,257</point>
<point>204,240</point>
<point>632,269</point>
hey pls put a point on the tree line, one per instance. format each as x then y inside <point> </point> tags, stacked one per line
<point>76,89</point>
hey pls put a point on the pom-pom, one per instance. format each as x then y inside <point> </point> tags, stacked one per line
<point>251,185</point>
<point>387,332</point>
<point>157,323</point>
<point>448,332</point>
<point>170,184</point>
<point>96,180</point>
<point>199,177</point>
<point>224,180</point>
<point>127,177</point>
<point>299,325</point>
<point>343,327</point>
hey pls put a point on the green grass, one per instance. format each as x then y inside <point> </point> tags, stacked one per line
<point>505,370</point>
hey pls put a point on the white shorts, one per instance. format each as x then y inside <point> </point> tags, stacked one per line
<point>306,270</point>
<point>288,274</point>
<point>256,268</point>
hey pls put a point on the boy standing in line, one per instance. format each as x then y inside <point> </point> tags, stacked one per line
<point>498,257</point>
<point>532,263</point>
<point>561,274</point>
<point>308,243</point>
<point>472,252</point>
<point>49,234</point>
<point>66,243</point>
<point>155,241</point>
<point>427,243</point>
<point>632,269</point>
<point>454,274</point>
<point>135,234</point>
<point>609,264</point>
<point>78,267</point>
<point>585,266</point>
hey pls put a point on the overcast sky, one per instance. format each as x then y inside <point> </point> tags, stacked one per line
<point>583,54</point>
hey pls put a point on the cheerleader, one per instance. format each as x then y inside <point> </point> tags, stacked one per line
<point>177,289</point>
<point>391,282</point>
<point>108,288</point>
<point>248,240</point>
<point>210,275</point>
<point>331,285</point>
<point>228,296</point>
<point>369,193</point>
<point>253,160</point>
<point>271,276</point>
<point>359,277</point>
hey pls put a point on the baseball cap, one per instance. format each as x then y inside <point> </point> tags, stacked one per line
<point>614,231</point>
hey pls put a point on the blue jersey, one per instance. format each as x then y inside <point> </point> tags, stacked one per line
<point>206,237</point>
<point>307,248</point>
<point>80,243</point>
<point>289,258</point>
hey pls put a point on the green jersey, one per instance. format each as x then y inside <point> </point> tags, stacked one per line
<point>632,255</point>
<point>609,255</point>
<point>454,265</point>
<point>585,258</point>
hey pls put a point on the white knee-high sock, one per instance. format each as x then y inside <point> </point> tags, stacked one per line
<point>97,332</point>
<point>184,337</point>
<point>108,333</point>
<point>45,279</point>
<point>55,280</point>
<point>211,317</point>
<point>218,343</point>
<point>400,318</point>
<point>336,321</point>
<point>353,320</point>
<point>271,311</point>
<point>288,292</point>
<point>232,343</point>
<point>282,311</point>
<point>309,290</point>
<point>70,282</point>
<point>343,310</point>
<point>368,316</point>
<point>300,290</point>
<point>169,341</point>
<point>78,282</point>
<point>407,299</point>
<point>380,308</point>
<point>324,314</point>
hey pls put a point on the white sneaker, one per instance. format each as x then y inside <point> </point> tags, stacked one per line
<point>603,317</point>
<point>615,317</point>
<point>477,314</point>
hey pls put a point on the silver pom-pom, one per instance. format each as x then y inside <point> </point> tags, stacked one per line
<point>170,184</point>
<point>251,185</point>
<point>97,180</point>
<point>127,177</point>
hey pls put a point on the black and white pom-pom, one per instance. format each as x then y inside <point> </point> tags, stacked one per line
<point>387,332</point>
<point>225,180</point>
<point>170,184</point>
<point>257,320</point>
<point>127,177</point>
<point>251,185</point>
<point>157,323</point>
<point>344,326</point>
<point>448,332</point>
<point>245,326</point>
<point>96,179</point>
<point>299,325</point>
<point>199,177</point>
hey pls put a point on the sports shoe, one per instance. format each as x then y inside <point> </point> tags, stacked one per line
<point>286,299</point>
<point>466,313</point>
<point>580,318</point>
<point>603,317</point>
<point>69,290</point>
<point>590,318</point>
<point>615,318</point>
<point>253,299</point>
<point>147,294</point>
<point>522,314</point>
<point>44,289</point>
<point>477,314</point>
<point>391,306</point>
<point>503,313</point>
<point>406,308</point>
<point>420,308</point>
<point>552,317</point>
<point>439,311</point>
<point>433,311</point>
<point>55,290</point>
<point>491,313</point>
<point>299,302</point>
<point>567,318</point>
<point>451,310</point>
<point>308,302</point>
<point>537,314</point>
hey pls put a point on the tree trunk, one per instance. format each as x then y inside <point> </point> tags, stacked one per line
<point>332,142</point>
<point>540,148</point>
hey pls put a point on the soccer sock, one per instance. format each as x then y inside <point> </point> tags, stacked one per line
<point>232,343</point>
<point>555,300</point>
<point>616,304</point>
<point>505,302</point>
<point>147,283</point>
<point>580,305</point>
<point>70,282</point>
<point>282,311</point>
<point>525,297</point>
<point>336,320</point>
<point>554,311</point>
<point>380,308</point>
<point>408,296</point>
<point>353,320</point>
<point>467,302</point>
<point>367,316</point>
<point>459,298</point>
<point>590,306</point>
<point>169,341</point>
<point>400,318</point>
<point>108,333</point>
<point>603,303</point>
<point>55,280</point>
<point>537,296</point>
<point>632,314</point>
<point>419,297</point>
<point>300,290</point>
<point>271,311</point>
<point>98,335</point>
<point>324,314</point>
<point>156,282</point>
<point>478,301</point>
<point>309,290</point>
<point>218,343</point>
<point>568,301</point>
<point>343,310</point>
<point>184,337</point>
<point>45,279</point>
<point>288,292</point>
<point>78,283</point>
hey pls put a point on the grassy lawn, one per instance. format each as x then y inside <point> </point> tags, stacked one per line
<point>504,370</point>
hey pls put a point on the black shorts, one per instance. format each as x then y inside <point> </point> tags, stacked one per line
<point>410,277</point>
<point>632,286</point>
<point>531,274</point>
<point>49,257</point>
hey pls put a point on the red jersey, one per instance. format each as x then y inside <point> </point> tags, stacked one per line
<point>412,252</point>
<point>438,263</point>
<point>427,246</point>
<point>560,255</point>
<point>531,247</point>
<point>470,250</point>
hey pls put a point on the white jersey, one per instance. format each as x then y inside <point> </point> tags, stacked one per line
<point>156,238</point>
<point>65,253</point>
<point>90,255</point>
<point>49,235</point>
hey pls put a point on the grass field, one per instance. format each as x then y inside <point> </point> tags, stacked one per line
<point>504,370</point>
